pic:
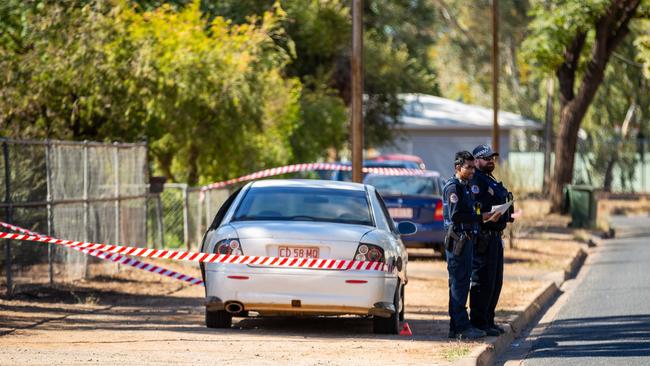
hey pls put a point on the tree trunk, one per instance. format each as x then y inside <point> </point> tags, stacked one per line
<point>165,161</point>
<point>611,28</point>
<point>548,135</point>
<point>193,172</point>
<point>609,173</point>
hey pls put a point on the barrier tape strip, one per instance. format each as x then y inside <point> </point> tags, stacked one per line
<point>308,167</point>
<point>282,262</point>
<point>117,258</point>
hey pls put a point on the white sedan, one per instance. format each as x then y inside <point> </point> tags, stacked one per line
<point>306,219</point>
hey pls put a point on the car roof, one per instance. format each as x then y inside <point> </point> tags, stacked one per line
<point>308,183</point>
<point>404,157</point>
<point>380,163</point>
<point>390,163</point>
<point>425,173</point>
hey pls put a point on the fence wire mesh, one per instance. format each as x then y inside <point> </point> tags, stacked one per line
<point>78,191</point>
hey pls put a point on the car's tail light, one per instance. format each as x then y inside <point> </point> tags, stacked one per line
<point>370,253</point>
<point>437,215</point>
<point>228,246</point>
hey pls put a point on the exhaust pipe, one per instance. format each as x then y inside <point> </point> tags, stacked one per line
<point>234,307</point>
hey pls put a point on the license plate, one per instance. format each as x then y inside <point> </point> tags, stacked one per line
<point>296,252</point>
<point>401,212</point>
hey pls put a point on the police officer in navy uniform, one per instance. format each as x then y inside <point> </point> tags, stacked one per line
<point>487,266</point>
<point>462,220</point>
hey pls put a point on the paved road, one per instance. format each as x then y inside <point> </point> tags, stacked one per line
<point>606,320</point>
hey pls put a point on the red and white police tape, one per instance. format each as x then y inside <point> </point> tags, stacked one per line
<point>284,262</point>
<point>305,168</point>
<point>113,252</point>
<point>117,258</point>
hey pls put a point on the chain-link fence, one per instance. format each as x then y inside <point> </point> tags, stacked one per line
<point>186,214</point>
<point>72,190</point>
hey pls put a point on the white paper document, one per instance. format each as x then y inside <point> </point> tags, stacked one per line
<point>501,208</point>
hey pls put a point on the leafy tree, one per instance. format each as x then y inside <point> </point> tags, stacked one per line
<point>210,96</point>
<point>463,51</point>
<point>624,95</point>
<point>643,45</point>
<point>397,36</point>
<point>575,40</point>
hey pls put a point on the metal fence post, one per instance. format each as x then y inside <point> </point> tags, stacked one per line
<point>86,204</point>
<point>50,219</point>
<point>199,212</point>
<point>159,220</point>
<point>146,222</point>
<point>86,179</point>
<point>9,218</point>
<point>116,164</point>
<point>186,218</point>
<point>208,209</point>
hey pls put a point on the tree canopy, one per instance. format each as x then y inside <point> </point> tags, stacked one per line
<point>221,88</point>
<point>216,88</point>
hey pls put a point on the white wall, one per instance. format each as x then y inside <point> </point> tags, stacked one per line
<point>437,148</point>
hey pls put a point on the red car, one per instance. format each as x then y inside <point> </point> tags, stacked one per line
<point>401,157</point>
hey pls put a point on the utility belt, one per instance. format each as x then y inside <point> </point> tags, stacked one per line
<point>491,233</point>
<point>484,238</point>
<point>455,242</point>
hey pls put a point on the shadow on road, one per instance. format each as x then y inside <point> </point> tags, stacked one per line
<point>619,336</point>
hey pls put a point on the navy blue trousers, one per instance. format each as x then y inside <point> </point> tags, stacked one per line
<point>487,280</point>
<point>460,271</point>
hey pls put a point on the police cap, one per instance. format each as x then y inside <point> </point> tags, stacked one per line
<point>483,151</point>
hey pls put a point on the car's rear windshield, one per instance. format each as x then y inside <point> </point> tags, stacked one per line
<point>404,185</point>
<point>304,204</point>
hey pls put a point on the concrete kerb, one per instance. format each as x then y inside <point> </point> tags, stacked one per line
<point>624,227</point>
<point>627,233</point>
<point>487,353</point>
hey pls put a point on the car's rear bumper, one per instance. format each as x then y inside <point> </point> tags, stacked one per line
<point>300,291</point>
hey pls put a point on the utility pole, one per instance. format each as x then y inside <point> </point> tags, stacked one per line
<point>495,75</point>
<point>357,90</point>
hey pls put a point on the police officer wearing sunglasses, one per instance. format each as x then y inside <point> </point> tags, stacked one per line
<point>487,265</point>
<point>462,219</point>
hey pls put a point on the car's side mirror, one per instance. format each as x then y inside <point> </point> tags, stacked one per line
<point>406,228</point>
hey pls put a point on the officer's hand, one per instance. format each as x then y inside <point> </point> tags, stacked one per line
<point>491,216</point>
<point>496,216</point>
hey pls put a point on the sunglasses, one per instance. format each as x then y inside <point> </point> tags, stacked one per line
<point>488,158</point>
<point>470,167</point>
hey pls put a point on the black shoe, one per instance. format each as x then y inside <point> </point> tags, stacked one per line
<point>497,328</point>
<point>452,334</point>
<point>491,332</point>
<point>470,333</point>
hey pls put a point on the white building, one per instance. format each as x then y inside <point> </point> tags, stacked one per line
<point>436,128</point>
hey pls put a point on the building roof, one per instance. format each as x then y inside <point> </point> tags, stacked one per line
<point>427,112</point>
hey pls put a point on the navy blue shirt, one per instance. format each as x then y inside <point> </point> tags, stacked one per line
<point>458,206</point>
<point>489,192</point>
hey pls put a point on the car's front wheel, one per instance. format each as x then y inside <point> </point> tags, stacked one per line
<point>390,325</point>
<point>218,319</point>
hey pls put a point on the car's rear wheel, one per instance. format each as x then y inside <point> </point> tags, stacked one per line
<point>389,325</point>
<point>218,319</point>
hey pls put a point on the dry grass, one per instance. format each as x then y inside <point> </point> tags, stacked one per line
<point>456,350</point>
<point>626,207</point>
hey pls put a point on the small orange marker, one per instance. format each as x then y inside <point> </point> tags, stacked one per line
<point>406,330</point>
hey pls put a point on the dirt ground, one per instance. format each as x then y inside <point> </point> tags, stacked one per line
<point>139,318</point>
